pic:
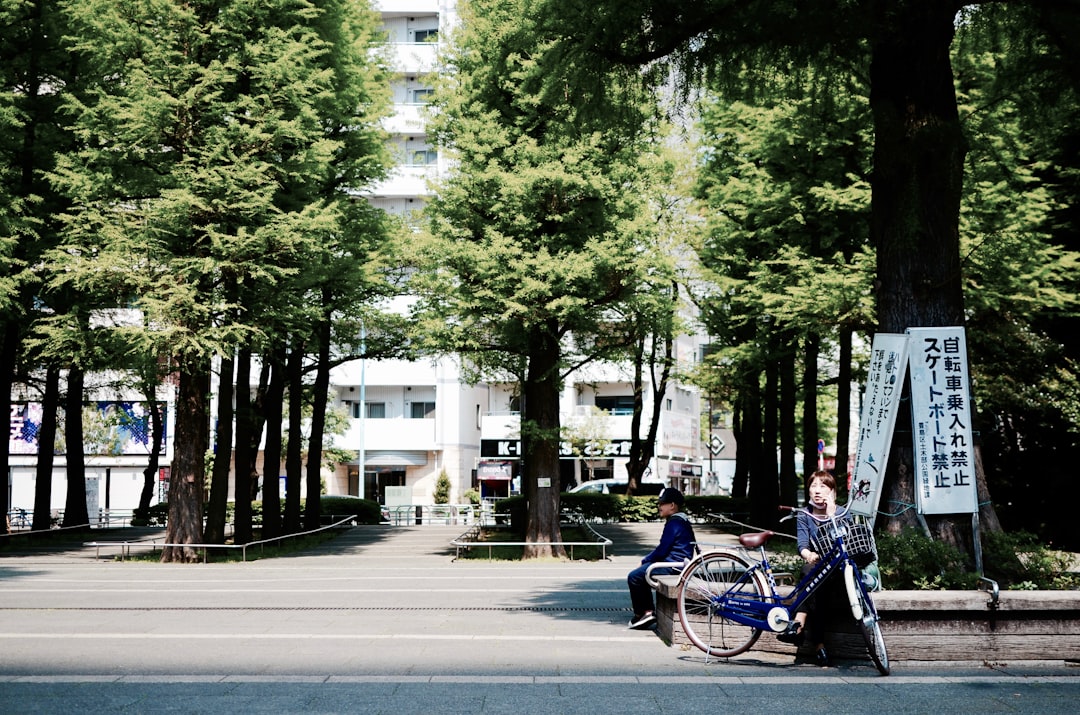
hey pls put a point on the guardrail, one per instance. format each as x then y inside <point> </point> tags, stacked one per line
<point>125,546</point>
<point>445,514</point>
<point>469,540</point>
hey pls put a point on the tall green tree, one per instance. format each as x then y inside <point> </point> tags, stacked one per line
<point>35,73</point>
<point>536,232</point>
<point>208,161</point>
<point>903,48</point>
<point>784,184</point>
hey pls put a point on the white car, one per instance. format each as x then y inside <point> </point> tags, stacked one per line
<point>616,486</point>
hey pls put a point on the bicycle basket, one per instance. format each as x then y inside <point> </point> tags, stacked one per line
<point>858,538</point>
<point>860,544</point>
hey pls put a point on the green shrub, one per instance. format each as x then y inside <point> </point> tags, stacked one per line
<point>442,489</point>
<point>1018,561</point>
<point>367,511</point>
<point>156,515</point>
<point>910,560</point>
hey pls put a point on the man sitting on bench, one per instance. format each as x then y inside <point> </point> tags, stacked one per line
<point>676,544</point>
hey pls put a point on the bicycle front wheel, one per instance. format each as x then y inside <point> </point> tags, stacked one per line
<point>705,581</point>
<point>866,616</point>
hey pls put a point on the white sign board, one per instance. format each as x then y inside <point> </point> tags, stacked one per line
<point>881,400</point>
<point>941,421</point>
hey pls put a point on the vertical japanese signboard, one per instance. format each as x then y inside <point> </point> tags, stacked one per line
<point>881,400</point>
<point>941,421</point>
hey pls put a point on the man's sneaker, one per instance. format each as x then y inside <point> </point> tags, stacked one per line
<point>638,622</point>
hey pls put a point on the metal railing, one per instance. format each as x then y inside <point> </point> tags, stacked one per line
<point>442,514</point>
<point>126,546</point>
<point>470,540</point>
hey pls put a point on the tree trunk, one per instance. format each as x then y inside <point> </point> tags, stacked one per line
<point>789,480</point>
<point>811,348</point>
<point>186,484</point>
<point>10,342</point>
<point>319,397</point>
<point>258,417</point>
<point>43,477</point>
<point>642,450</point>
<point>919,152</point>
<point>765,478</point>
<point>219,478</point>
<point>272,409</point>
<point>540,445</point>
<point>295,445</point>
<point>75,512</point>
<point>243,456</point>
<point>157,432</point>
<point>843,408</point>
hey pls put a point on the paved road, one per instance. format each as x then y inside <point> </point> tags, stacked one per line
<point>383,620</point>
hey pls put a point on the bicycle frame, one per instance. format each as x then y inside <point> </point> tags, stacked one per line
<point>758,611</point>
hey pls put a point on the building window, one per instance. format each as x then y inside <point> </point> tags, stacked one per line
<point>422,96</point>
<point>424,157</point>
<point>426,35</point>
<point>376,411</point>
<point>616,405</point>
<point>422,411</point>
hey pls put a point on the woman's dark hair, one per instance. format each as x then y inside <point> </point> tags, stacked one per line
<point>826,479</point>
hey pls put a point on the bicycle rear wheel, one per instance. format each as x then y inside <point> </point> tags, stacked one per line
<point>705,580</point>
<point>866,616</point>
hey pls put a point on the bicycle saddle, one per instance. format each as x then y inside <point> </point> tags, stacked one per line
<point>753,541</point>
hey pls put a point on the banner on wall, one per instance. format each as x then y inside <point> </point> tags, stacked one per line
<point>110,428</point>
<point>881,401</point>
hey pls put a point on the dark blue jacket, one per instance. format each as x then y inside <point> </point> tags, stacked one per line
<point>677,541</point>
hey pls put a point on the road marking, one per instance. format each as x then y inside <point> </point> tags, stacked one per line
<point>650,680</point>
<point>651,642</point>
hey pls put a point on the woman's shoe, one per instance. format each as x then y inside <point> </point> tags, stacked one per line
<point>792,634</point>
<point>821,657</point>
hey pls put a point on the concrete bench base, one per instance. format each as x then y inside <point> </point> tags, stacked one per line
<point>933,626</point>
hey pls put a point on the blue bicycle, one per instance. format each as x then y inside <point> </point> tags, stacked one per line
<point>726,598</point>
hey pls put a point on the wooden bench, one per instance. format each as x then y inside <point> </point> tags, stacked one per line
<point>932,626</point>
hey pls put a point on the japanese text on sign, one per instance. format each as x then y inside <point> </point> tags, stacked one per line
<point>881,399</point>
<point>941,421</point>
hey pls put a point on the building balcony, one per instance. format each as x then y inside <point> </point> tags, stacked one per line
<point>406,7</point>
<point>414,57</point>
<point>405,181</point>
<point>391,434</point>
<point>407,119</point>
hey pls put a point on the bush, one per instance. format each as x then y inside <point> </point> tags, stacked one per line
<point>156,515</point>
<point>366,510</point>
<point>613,507</point>
<point>912,560</point>
<point>1016,561</point>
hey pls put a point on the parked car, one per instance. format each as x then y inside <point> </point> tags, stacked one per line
<point>617,486</point>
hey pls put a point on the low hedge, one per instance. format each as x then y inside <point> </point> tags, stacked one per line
<point>330,507</point>
<point>614,507</point>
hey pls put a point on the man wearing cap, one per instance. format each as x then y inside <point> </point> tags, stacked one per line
<point>676,545</point>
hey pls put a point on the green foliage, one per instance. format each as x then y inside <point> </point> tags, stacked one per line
<point>617,508</point>
<point>472,496</point>
<point>912,560</point>
<point>156,515</point>
<point>442,488</point>
<point>1019,561</point>
<point>366,510</point>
